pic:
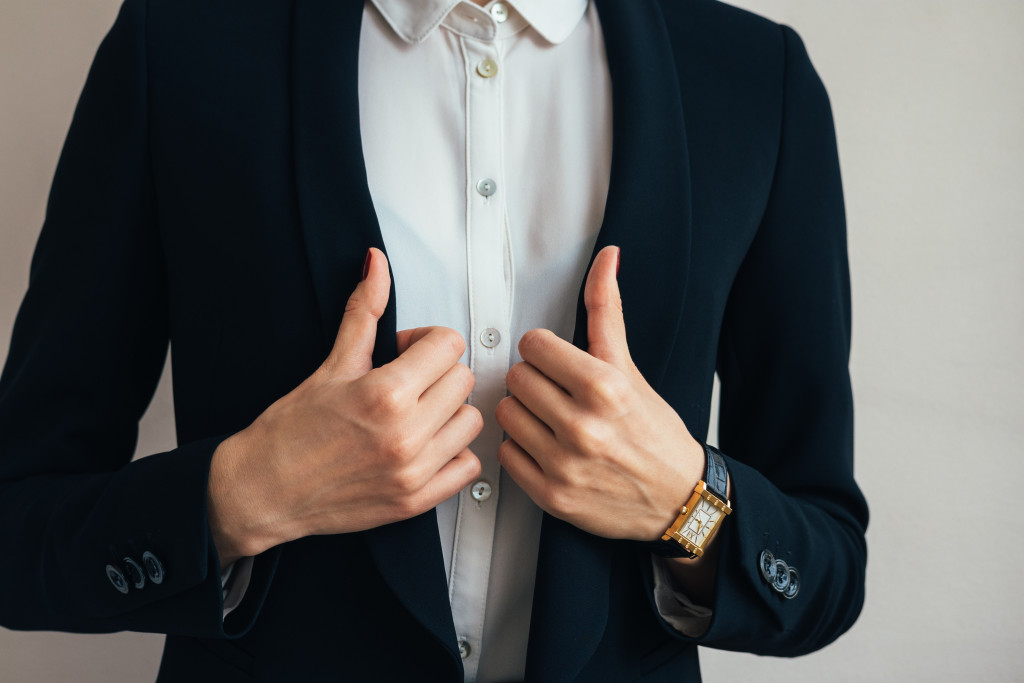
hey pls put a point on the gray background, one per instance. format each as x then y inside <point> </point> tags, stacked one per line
<point>929,109</point>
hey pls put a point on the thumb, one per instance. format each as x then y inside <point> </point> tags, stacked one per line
<point>606,330</point>
<point>353,347</point>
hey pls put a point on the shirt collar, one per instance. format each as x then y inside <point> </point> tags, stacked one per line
<point>415,20</point>
<point>555,20</point>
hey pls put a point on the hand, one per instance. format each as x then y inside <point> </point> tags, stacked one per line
<point>590,441</point>
<point>353,447</point>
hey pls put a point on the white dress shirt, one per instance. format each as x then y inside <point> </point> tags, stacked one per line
<point>487,141</point>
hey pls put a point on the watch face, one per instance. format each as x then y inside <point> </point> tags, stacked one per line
<point>702,521</point>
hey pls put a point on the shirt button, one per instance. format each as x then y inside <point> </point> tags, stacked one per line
<point>490,337</point>
<point>486,187</point>
<point>464,648</point>
<point>487,68</point>
<point>481,491</point>
<point>499,12</point>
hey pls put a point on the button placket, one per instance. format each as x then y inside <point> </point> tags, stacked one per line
<point>488,348</point>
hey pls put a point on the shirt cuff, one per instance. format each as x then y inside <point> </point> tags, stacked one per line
<point>675,607</point>
<point>234,581</point>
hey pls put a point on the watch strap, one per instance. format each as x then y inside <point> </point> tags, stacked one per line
<point>716,476</point>
<point>668,548</point>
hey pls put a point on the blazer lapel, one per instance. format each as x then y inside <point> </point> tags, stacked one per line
<point>648,211</point>
<point>648,214</point>
<point>339,224</point>
<point>338,220</point>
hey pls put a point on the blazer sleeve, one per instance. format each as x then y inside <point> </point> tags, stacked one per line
<point>88,346</point>
<point>786,413</point>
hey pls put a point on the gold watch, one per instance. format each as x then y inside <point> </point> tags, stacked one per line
<point>700,518</point>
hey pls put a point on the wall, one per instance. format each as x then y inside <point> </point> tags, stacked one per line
<point>929,108</point>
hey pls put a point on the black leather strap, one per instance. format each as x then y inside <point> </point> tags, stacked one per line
<point>669,548</point>
<point>716,476</point>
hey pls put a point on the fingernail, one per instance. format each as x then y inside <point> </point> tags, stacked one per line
<point>366,265</point>
<point>618,260</point>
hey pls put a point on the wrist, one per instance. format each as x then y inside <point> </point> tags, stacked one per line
<point>236,506</point>
<point>676,489</point>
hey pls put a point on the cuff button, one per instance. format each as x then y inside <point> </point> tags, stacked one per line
<point>154,567</point>
<point>766,563</point>
<point>133,572</point>
<point>794,584</point>
<point>117,579</point>
<point>781,582</point>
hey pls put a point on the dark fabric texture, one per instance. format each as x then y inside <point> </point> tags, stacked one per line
<point>211,195</point>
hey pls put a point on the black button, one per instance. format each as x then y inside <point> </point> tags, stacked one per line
<point>794,584</point>
<point>154,568</point>
<point>781,576</point>
<point>117,578</point>
<point>134,573</point>
<point>766,562</point>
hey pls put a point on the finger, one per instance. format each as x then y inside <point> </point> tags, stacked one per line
<point>540,394</point>
<point>353,346</point>
<point>565,364</point>
<point>426,360</point>
<point>606,329</point>
<point>454,435</point>
<point>407,338</point>
<point>454,475</point>
<point>535,437</point>
<point>442,398</point>
<point>522,468</point>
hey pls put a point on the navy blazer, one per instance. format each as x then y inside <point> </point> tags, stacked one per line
<point>212,194</point>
